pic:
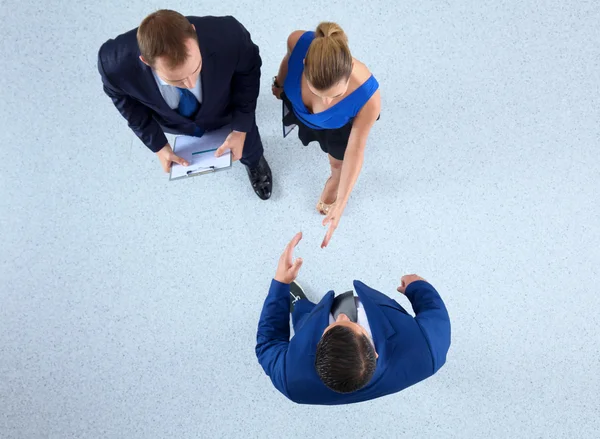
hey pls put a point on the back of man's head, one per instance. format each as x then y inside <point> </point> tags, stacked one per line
<point>164,34</point>
<point>345,359</point>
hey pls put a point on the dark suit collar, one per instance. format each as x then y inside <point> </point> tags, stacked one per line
<point>207,74</point>
<point>150,86</point>
<point>372,300</point>
<point>381,328</point>
<point>149,82</point>
<point>206,44</point>
<point>206,40</point>
<point>321,315</point>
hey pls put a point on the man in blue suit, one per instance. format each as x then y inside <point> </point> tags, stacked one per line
<point>349,349</point>
<point>188,75</point>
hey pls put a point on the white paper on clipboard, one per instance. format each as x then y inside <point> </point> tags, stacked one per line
<point>199,152</point>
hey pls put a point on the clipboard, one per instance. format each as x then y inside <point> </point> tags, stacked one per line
<point>284,112</point>
<point>199,153</point>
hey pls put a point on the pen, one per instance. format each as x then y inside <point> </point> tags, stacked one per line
<point>202,152</point>
<point>212,168</point>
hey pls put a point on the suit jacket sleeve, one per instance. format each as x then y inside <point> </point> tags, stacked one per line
<point>273,337</point>
<point>432,317</point>
<point>246,81</point>
<point>139,117</point>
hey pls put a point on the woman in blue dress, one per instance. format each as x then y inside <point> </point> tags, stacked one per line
<point>334,100</point>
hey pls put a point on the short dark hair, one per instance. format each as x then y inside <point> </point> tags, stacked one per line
<point>345,361</point>
<point>164,33</point>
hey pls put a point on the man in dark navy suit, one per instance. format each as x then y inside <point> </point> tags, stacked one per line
<point>188,75</point>
<point>349,348</point>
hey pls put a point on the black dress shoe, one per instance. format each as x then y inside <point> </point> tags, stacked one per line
<point>260,178</point>
<point>296,294</point>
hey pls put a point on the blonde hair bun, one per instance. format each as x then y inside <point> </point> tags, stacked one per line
<point>330,30</point>
<point>328,59</point>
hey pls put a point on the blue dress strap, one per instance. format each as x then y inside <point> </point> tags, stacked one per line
<point>300,49</point>
<point>354,102</point>
<point>293,81</point>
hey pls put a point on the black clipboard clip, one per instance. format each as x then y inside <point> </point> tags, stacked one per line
<point>206,170</point>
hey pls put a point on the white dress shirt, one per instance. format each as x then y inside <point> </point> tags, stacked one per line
<point>170,93</point>
<point>361,317</point>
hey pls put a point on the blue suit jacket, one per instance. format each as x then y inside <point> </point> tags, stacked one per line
<point>230,79</point>
<point>410,349</point>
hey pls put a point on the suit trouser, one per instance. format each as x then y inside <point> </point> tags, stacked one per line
<point>253,147</point>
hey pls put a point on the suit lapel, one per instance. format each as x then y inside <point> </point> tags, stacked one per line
<point>379,298</point>
<point>371,301</point>
<point>381,328</point>
<point>155,96</point>
<point>208,72</point>
<point>321,321</point>
<point>149,83</point>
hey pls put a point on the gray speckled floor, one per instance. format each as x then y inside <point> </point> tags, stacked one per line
<point>129,303</point>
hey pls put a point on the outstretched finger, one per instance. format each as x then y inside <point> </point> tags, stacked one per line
<point>289,250</point>
<point>328,236</point>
